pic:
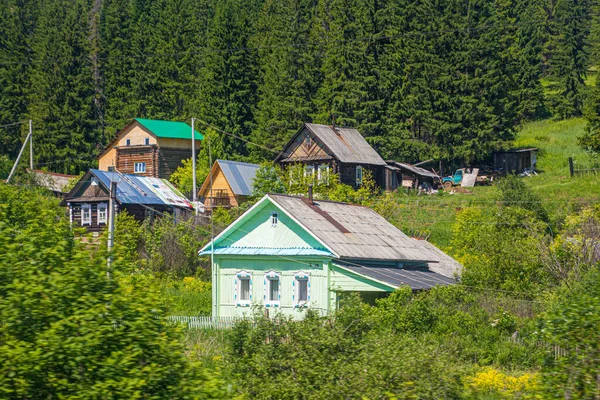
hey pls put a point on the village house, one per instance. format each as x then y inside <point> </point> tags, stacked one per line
<point>149,147</point>
<point>411,176</point>
<point>140,196</point>
<point>57,184</point>
<point>228,184</point>
<point>290,253</point>
<point>343,151</point>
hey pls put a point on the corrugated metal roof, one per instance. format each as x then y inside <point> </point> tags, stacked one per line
<point>239,175</point>
<point>415,170</point>
<point>447,265</point>
<point>50,180</point>
<point>347,144</point>
<point>369,236</point>
<point>263,251</point>
<point>416,278</point>
<point>134,189</point>
<point>169,129</point>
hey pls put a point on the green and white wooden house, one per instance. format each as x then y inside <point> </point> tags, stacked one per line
<point>290,253</point>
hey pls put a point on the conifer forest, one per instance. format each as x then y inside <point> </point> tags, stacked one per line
<point>445,79</point>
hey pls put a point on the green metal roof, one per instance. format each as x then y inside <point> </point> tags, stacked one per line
<point>169,129</point>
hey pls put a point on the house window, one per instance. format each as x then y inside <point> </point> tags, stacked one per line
<point>274,219</point>
<point>127,142</point>
<point>139,167</point>
<point>272,292</point>
<point>111,169</point>
<point>323,173</point>
<point>307,142</point>
<point>101,211</point>
<point>309,171</point>
<point>243,289</point>
<point>94,181</point>
<point>86,214</point>
<point>359,175</point>
<point>147,141</point>
<point>301,295</point>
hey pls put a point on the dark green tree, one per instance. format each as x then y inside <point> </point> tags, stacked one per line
<point>61,88</point>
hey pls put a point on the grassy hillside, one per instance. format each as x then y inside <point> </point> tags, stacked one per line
<point>557,141</point>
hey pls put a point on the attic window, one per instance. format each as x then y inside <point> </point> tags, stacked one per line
<point>128,142</point>
<point>274,219</point>
<point>147,141</point>
<point>307,142</point>
<point>94,181</point>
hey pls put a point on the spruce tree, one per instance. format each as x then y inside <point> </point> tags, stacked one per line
<point>18,21</point>
<point>61,88</point>
<point>288,72</point>
<point>228,75</point>
<point>571,57</point>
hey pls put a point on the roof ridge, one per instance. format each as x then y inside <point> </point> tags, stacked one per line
<point>317,200</point>
<point>238,162</point>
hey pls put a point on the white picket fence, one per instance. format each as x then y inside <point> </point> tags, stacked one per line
<point>205,322</point>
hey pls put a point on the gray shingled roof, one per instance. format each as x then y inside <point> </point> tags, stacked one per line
<point>347,144</point>
<point>368,235</point>
<point>416,278</point>
<point>239,175</point>
<point>447,265</point>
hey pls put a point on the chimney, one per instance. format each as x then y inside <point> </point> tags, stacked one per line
<point>310,194</point>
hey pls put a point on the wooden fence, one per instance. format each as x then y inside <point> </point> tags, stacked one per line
<point>205,322</point>
<point>554,349</point>
<point>580,171</point>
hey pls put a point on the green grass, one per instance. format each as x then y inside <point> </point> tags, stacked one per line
<point>561,194</point>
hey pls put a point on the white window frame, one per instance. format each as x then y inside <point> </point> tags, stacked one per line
<point>309,171</point>
<point>87,221</point>
<point>268,281</point>
<point>300,276</point>
<point>359,175</point>
<point>323,173</point>
<point>103,207</point>
<point>141,169</point>
<point>239,277</point>
<point>274,219</point>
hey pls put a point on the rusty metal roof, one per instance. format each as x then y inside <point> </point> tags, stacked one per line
<point>367,235</point>
<point>347,144</point>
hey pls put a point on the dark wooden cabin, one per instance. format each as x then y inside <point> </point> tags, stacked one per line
<point>142,197</point>
<point>343,151</point>
<point>515,161</point>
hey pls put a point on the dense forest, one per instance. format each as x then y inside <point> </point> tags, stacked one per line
<point>446,79</point>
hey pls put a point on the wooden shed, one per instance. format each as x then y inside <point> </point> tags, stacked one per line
<point>515,161</point>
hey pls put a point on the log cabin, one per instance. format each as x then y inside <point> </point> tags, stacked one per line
<point>228,184</point>
<point>149,147</point>
<point>142,197</point>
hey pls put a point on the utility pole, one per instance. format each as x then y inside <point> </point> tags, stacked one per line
<point>30,146</point>
<point>194,188</point>
<point>111,223</point>
<point>215,294</point>
<point>12,171</point>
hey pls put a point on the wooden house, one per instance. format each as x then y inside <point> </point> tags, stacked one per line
<point>57,184</point>
<point>515,161</point>
<point>142,197</point>
<point>342,151</point>
<point>149,147</point>
<point>289,253</point>
<point>228,184</point>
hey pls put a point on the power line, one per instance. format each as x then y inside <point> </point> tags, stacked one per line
<point>13,124</point>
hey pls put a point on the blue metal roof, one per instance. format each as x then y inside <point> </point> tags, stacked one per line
<point>134,189</point>
<point>265,251</point>
<point>239,175</point>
